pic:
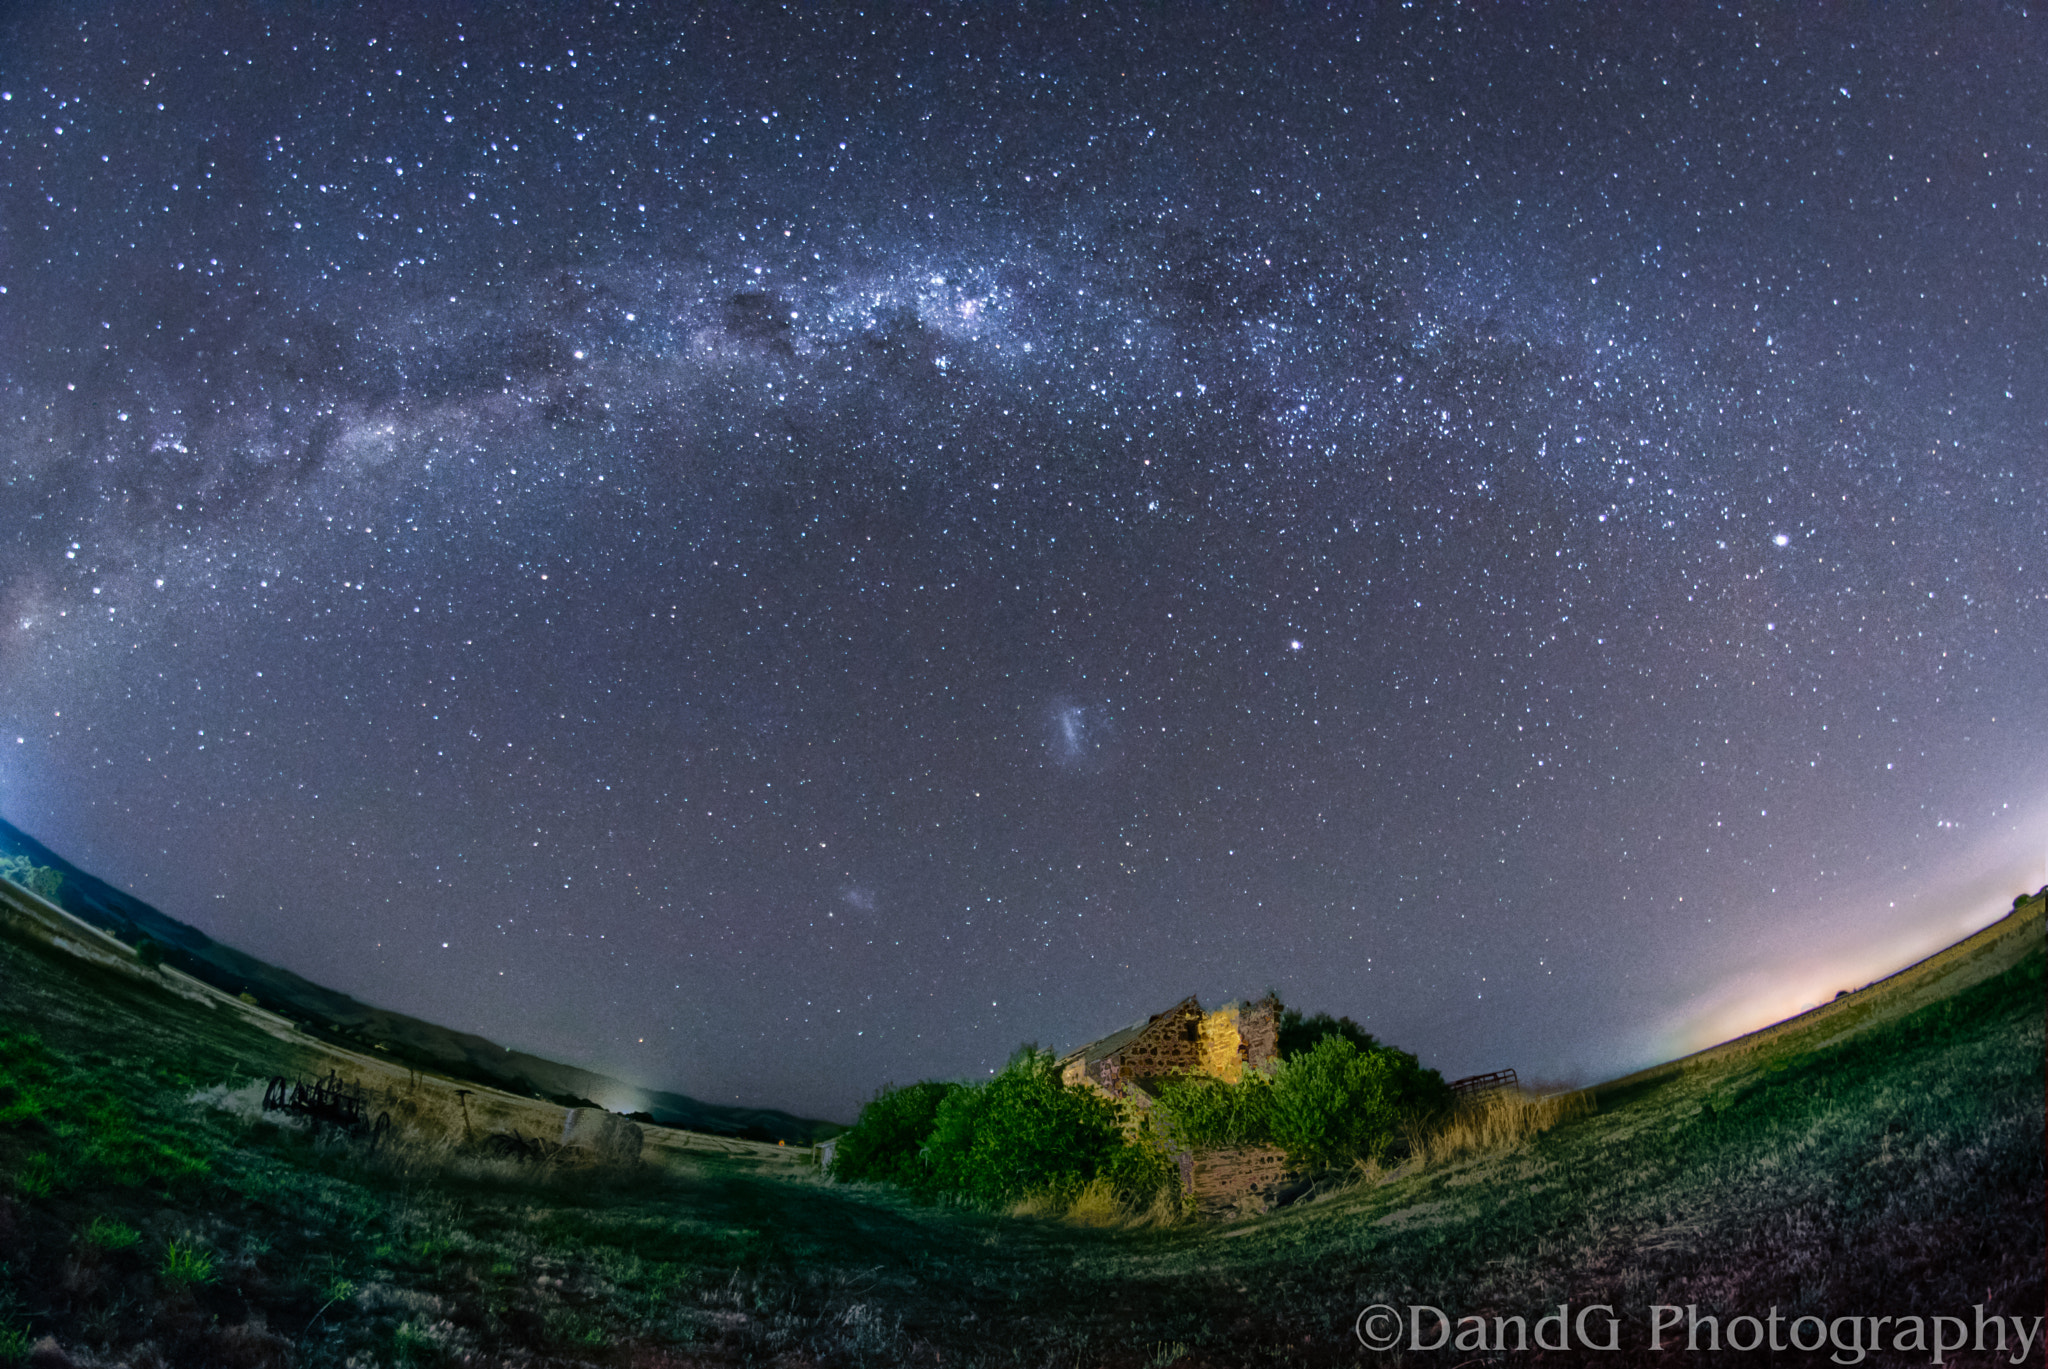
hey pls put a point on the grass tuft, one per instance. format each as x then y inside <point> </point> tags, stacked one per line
<point>185,1266</point>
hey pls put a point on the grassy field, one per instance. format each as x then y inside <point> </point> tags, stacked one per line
<point>1879,1157</point>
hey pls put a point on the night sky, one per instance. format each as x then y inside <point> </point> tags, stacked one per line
<point>769,553</point>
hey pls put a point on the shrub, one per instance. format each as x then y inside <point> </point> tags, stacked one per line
<point>1327,1106</point>
<point>1202,1112</point>
<point>1334,1103</point>
<point>886,1142</point>
<point>1023,1132</point>
<point>1137,1174</point>
<point>149,953</point>
<point>1022,1136</point>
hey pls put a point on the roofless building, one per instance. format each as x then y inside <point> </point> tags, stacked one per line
<point>1129,1065</point>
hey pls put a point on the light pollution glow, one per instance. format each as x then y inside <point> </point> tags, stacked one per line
<point>1867,937</point>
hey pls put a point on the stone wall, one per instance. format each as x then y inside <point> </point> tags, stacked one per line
<point>1230,1180</point>
<point>1222,1047</point>
<point>1170,1044</point>
<point>1258,1024</point>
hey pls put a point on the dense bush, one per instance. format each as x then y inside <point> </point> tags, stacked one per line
<point>1023,1132</point>
<point>1326,1106</point>
<point>1203,1112</point>
<point>886,1144</point>
<point>1335,1103</point>
<point>1139,1172</point>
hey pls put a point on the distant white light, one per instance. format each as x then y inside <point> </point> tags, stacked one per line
<point>1783,539</point>
<point>1294,645</point>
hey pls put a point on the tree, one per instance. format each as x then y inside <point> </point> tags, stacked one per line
<point>1298,1034</point>
<point>37,879</point>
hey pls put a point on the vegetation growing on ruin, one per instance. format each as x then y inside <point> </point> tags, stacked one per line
<point>1339,1099</point>
<point>1329,1105</point>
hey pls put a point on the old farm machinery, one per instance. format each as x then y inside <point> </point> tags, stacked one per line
<point>327,1102</point>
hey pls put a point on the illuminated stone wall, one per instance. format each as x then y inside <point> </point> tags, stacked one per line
<point>1221,1046</point>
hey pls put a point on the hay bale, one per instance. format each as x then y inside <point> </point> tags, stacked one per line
<point>610,1139</point>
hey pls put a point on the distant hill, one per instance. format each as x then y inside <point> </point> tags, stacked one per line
<point>339,1018</point>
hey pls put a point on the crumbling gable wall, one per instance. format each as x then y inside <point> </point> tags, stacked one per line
<point>1258,1026</point>
<point>1170,1044</point>
<point>1166,1044</point>
<point>1185,1040</point>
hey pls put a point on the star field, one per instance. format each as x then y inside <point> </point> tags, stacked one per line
<point>770,552</point>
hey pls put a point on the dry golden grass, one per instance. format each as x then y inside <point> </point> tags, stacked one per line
<point>1497,1125</point>
<point>1098,1207</point>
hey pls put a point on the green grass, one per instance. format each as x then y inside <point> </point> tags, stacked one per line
<point>1898,1169</point>
<point>184,1266</point>
<point>108,1234</point>
<point>74,1128</point>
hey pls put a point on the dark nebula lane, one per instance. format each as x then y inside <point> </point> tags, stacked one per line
<point>768,553</point>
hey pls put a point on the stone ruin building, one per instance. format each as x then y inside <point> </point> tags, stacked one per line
<point>1128,1066</point>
